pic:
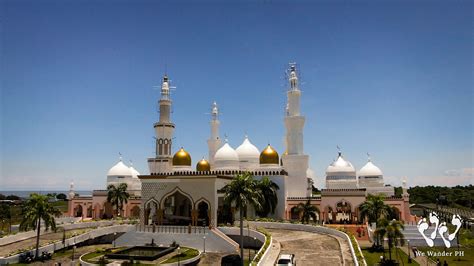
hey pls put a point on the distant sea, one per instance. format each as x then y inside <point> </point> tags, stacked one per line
<point>26,193</point>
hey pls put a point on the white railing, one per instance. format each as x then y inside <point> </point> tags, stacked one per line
<point>172,229</point>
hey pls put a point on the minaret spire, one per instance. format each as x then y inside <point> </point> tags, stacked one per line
<point>214,141</point>
<point>164,130</point>
<point>294,160</point>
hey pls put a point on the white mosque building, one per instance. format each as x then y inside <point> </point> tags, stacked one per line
<point>176,192</point>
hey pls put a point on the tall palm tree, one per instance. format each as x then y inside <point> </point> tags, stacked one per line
<point>268,190</point>
<point>241,192</point>
<point>392,230</point>
<point>307,211</point>
<point>117,196</point>
<point>374,208</point>
<point>36,209</point>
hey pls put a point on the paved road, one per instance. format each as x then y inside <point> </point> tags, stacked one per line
<point>312,248</point>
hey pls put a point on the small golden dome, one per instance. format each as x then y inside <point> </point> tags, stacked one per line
<point>269,156</point>
<point>203,165</point>
<point>182,157</point>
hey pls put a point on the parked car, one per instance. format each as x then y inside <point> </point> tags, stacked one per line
<point>286,260</point>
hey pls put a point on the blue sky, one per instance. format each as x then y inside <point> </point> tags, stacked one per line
<point>393,78</point>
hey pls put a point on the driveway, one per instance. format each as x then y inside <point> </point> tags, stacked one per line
<point>312,248</point>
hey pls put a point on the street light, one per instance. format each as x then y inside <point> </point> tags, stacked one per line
<point>409,258</point>
<point>115,237</point>
<point>73,251</point>
<point>255,246</point>
<point>204,238</point>
<point>179,255</point>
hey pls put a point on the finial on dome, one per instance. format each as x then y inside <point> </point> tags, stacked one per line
<point>225,138</point>
<point>368,157</point>
<point>120,156</point>
<point>131,163</point>
<point>339,150</point>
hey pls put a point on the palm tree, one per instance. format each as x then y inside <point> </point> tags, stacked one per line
<point>374,208</point>
<point>307,211</point>
<point>117,196</point>
<point>392,230</point>
<point>241,192</point>
<point>268,190</point>
<point>36,209</point>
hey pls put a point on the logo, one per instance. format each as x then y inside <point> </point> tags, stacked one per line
<point>440,229</point>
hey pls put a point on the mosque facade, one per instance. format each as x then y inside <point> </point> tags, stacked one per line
<point>177,192</point>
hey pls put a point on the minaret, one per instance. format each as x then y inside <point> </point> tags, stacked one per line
<point>294,122</point>
<point>214,141</point>
<point>294,161</point>
<point>164,128</point>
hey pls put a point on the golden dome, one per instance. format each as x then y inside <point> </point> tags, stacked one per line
<point>269,156</point>
<point>182,157</point>
<point>203,165</point>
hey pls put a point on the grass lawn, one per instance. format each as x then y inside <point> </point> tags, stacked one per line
<point>62,205</point>
<point>467,259</point>
<point>373,258</point>
<point>185,254</point>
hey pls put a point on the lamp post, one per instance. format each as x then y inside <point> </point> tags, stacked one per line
<point>255,246</point>
<point>179,255</point>
<point>204,249</point>
<point>115,237</point>
<point>73,251</point>
<point>409,257</point>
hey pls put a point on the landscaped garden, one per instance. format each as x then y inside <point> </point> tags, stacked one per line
<point>373,257</point>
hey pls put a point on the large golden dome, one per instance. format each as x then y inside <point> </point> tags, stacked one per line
<point>203,165</point>
<point>269,156</point>
<point>182,157</point>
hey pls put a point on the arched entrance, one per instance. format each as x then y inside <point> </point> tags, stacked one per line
<point>203,213</point>
<point>344,212</point>
<point>151,212</point>
<point>177,209</point>
<point>135,212</point>
<point>89,211</point>
<point>295,213</point>
<point>329,215</point>
<point>78,211</point>
<point>108,210</point>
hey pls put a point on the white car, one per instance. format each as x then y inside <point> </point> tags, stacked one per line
<point>286,260</point>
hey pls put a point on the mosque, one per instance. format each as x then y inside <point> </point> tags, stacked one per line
<point>176,192</point>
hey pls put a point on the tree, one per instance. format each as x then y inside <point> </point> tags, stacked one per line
<point>392,230</point>
<point>241,192</point>
<point>268,190</point>
<point>307,211</point>
<point>61,196</point>
<point>6,215</point>
<point>117,196</point>
<point>35,210</point>
<point>374,208</point>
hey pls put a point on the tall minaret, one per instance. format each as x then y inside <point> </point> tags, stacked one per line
<point>294,161</point>
<point>164,128</point>
<point>214,142</point>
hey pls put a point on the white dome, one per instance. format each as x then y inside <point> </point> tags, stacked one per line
<point>120,169</point>
<point>226,152</point>
<point>370,170</point>
<point>340,166</point>
<point>226,158</point>
<point>247,151</point>
<point>135,173</point>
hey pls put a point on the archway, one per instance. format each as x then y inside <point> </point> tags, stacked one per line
<point>295,213</point>
<point>78,211</point>
<point>108,210</point>
<point>135,212</point>
<point>203,213</point>
<point>151,212</point>
<point>344,212</point>
<point>177,209</point>
<point>89,211</point>
<point>329,216</point>
<point>395,213</point>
